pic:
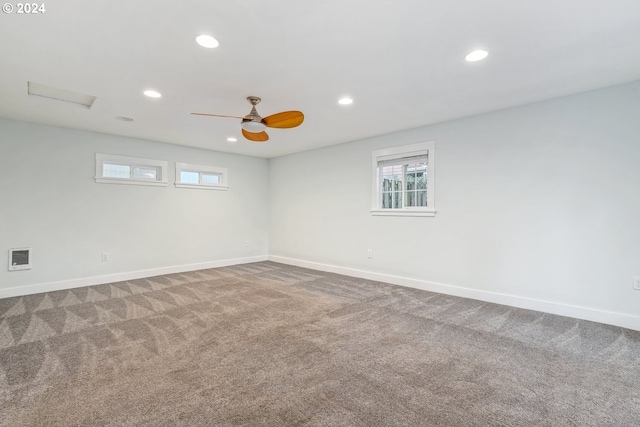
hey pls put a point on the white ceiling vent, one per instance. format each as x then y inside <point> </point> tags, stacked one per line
<point>60,94</point>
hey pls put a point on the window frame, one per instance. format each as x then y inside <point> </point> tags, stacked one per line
<point>133,162</point>
<point>202,169</point>
<point>394,153</point>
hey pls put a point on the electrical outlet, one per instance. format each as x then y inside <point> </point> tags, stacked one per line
<point>246,243</point>
<point>369,253</point>
<point>105,256</point>
<point>636,283</point>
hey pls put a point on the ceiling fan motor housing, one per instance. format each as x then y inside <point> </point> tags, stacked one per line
<point>253,125</point>
<point>252,122</point>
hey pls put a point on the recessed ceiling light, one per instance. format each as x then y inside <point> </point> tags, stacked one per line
<point>152,94</point>
<point>476,55</point>
<point>232,139</point>
<point>207,41</point>
<point>345,101</point>
<point>124,119</point>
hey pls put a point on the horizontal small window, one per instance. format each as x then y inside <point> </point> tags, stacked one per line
<point>211,179</point>
<point>201,177</point>
<point>112,169</point>
<point>204,178</point>
<point>145,173</point>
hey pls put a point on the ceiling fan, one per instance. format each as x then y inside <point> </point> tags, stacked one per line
<point>253,125</point>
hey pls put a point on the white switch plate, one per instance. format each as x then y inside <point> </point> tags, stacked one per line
<point>636,283</point>
<point>105,256</point>
<point>369,253</point>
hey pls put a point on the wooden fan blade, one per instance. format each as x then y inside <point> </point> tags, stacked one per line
<point>286,119</point>
<point>256,137</point>
<point>216,115</point>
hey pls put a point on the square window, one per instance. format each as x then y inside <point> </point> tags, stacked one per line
<point>403,181</point>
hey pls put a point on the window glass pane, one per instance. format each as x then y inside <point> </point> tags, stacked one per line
<point>397,183</point>
<point>421,180</point>
<point>386,184</point>
<point>411,198</point>
<point>209,179</point>
<point>410,179</point>
<point>404,181</point>
<point>145,173</point>
<point>187,177</point>
<point>422,198</point>
<point>415,167</point>
<point>387,178</point>
<point>397,200</point>
<point>110,170</point>
<point>386,201</point>
<point>398,170</point>
<point>417,172</point>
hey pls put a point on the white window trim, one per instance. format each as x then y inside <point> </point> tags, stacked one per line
<point>161,165</point>
<point>428,148</point>
<point>189,167</point>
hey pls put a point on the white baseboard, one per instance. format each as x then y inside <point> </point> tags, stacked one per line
<point>594,315</point>
<point>584,313</point>
<point>119,277</point>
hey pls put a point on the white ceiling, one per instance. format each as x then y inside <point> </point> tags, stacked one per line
<point>401,61</point>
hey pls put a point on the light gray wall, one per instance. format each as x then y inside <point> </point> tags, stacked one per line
<point>540,201</point>
<point>50,201</point>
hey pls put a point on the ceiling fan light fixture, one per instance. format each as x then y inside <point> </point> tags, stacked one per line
<point>253,126</point>
<point>207,41</point>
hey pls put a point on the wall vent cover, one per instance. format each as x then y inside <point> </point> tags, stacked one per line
<point>19,259</point>
<point>58,94</point>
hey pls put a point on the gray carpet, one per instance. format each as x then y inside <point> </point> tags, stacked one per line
<point>269,344</point>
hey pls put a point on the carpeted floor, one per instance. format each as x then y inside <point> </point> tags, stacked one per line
<point>269,344</point>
